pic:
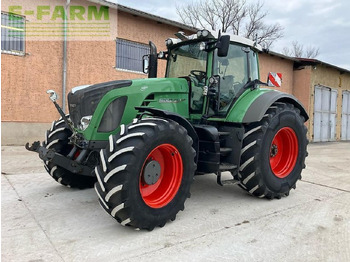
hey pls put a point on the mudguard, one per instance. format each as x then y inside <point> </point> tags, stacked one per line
<point>177,118</point>
<point>260,105</point>
<point>252,106</point>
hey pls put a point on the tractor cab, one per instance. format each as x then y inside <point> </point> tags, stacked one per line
<point>217,69</point>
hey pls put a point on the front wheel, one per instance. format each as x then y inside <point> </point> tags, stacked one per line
<point>146,172</point>
<point>273,152</point>
<point>57,139</point>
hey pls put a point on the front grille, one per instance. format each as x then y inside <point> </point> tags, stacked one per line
<point>83,102</point>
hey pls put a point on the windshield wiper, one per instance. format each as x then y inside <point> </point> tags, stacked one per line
<point>253,84</point>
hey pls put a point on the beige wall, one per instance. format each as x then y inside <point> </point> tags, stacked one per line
<point>329,77</point>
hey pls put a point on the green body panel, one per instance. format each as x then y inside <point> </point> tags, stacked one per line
<point>170,94</point>
<point>239,109</point>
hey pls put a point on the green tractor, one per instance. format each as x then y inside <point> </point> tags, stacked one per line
<point>140,142</point>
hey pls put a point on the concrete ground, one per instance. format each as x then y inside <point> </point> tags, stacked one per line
<point>44,221</point>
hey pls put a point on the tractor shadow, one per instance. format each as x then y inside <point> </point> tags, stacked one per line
<point>205,188</point>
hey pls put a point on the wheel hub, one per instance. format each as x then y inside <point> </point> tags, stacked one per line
<point>274,150</point>
<point>151,172</point>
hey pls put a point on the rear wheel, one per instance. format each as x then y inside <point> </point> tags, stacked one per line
<point>57,138</point>
<point>273,152</point>
<point>146,172</point>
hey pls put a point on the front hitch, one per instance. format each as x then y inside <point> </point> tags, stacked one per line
<point>44,153</point>
<point>66,162</point>
<point>34,147</point>
<point>73,166</point>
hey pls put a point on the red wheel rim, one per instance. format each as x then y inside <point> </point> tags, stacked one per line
<point>283,152</point>
<point>164,190</point>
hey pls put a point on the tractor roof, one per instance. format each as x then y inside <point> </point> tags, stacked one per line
<point>207,34</point>
<point>244,41</point>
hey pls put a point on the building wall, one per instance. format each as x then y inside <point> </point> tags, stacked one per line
<point>329,77</point>
<point>301,86</point>
<point>25,79</point>
<point>301,90</point>
<point>270,63</point>
<point>27,111</point>
<point>294,82</point>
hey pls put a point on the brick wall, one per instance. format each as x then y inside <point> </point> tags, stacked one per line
<point>25,79</point>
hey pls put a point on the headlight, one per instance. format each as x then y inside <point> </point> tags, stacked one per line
<point>84,122</point>
<point>202,33</point>
<point>205,33</point>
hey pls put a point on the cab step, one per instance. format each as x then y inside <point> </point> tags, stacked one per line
<point>225,182</point>
<point>227,167</point>
<point>224,151</point>
<point>224,133</point>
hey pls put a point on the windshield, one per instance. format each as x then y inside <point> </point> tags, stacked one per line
<point>184,59</point>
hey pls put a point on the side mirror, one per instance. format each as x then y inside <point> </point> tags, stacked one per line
<point>145,64</point>
<point>274,79</point>
<point>153,61</point>
<point>222,45</point>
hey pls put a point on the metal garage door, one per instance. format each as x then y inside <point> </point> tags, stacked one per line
<point>325,110</point>
<point>345,116</point>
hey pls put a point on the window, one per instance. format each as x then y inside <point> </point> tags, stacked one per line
<point>233,73</point>
<point>129,55</point>
<point>186,58</point>
<point>12,33</point>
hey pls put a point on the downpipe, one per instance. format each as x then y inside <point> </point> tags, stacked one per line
<point>64,58</point>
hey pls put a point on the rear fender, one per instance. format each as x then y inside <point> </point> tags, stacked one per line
<point>258,108</point>
<point>252,106</point>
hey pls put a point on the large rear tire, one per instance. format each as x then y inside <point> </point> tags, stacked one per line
<point>146,172</point>
<point>57,138</point>
<point>273,152</point>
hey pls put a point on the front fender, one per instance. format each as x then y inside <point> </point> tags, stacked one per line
<point>180,120</point>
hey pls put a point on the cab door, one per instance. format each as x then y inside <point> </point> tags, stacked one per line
<point>233,74</point>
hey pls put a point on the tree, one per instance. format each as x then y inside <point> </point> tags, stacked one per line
<point>298,50</point>
<point>231,16</point>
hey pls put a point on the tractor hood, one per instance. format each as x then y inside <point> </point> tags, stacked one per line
<point>93,100</point>
<point>83,100</point>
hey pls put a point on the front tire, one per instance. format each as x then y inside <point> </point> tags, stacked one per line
<point>273,152</point>
<point>57,138</point>
<point>146,172</point>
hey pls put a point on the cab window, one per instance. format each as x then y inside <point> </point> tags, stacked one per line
<point>232,70</point>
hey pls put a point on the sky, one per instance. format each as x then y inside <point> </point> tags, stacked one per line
<point>320,23</point>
